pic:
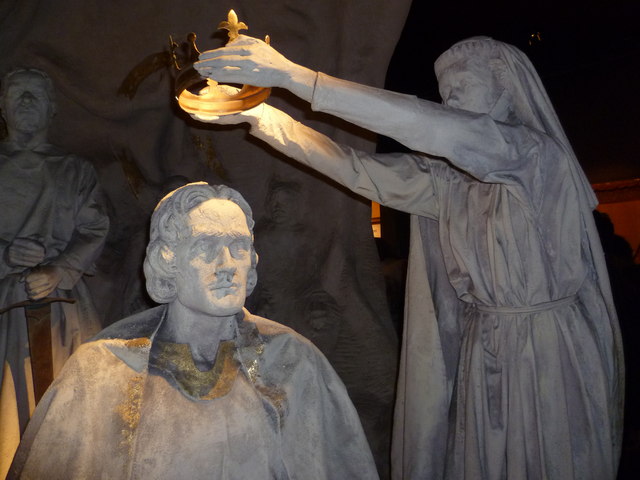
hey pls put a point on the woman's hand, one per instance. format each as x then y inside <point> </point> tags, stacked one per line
<point>251,116</point>
<point>246,61</point>
<point>250,61</point>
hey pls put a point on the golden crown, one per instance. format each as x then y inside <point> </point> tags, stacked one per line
<point>204,96</point>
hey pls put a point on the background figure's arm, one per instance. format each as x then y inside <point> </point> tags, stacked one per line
<point>5,268</point>
<point>400,181</point>
<point>91,228</point>
<point>24,252</point>
<point>43,280</point>
<point>20,255</point>
<point>7,263</point>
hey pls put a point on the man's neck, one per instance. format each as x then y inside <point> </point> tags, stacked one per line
<point>200,331</point>
<point>27,140</point>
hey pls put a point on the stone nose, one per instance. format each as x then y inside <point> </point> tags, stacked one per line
<point>224,261</point>
<point>453,99</point>
<point>27,97</point>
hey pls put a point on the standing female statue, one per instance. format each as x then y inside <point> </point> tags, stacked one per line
<point>511,364</point>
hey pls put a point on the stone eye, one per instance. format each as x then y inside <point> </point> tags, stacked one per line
<point>238,248</point>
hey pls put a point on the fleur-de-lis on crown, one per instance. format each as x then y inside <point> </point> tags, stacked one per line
<point>232,25</point>
<point>204,96</point>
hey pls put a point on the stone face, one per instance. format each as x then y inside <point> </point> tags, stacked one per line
<point>139,144</point>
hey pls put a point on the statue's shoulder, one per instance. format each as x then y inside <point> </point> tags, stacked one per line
<point>267,327</point>
<point>278,334</point>
<point>57,154</point>
<point>286,356</point>
<point>127,340</point>
<point>139,325</point>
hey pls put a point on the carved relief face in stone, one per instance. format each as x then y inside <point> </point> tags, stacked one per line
<point>214,262</point>
<point>26,105</point>
<point>283,203</point>
<point>471,85</point>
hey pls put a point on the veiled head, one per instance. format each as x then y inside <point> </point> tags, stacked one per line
<point>524,97</point>
<point>471,76</point>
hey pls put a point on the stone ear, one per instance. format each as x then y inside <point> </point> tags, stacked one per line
<point>165,261</point>
<point>252,280</point>
<point>160,272</point>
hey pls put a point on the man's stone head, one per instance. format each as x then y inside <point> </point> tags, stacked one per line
<point>27,100</point>
<point>201,250</point>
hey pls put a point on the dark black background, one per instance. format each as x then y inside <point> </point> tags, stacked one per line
<point>588,57</point>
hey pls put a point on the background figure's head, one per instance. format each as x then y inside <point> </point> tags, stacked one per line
<point>186,234</point>
<point>27,101</point>
<point>283,202</point>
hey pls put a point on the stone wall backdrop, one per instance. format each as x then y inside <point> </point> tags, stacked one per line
<point>319,270</point>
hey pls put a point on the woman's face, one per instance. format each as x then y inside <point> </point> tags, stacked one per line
<point>471,85</point>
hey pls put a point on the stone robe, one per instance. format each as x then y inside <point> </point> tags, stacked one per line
<point>511,364</point>
<point>128,406</point>
<point>51,197</point>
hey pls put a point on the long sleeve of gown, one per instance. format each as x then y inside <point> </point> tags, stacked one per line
<point>401,181</point>
<point>486,149</point>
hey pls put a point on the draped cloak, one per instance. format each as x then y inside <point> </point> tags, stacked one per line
<point>511,363</point>
<point>129,406</point>
<point>51,197</point>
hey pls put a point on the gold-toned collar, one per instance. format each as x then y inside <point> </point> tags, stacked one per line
<point>174,362</point>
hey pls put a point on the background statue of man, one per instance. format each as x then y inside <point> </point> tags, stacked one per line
<point>52,229</point>
<point>512,361</point>
<point>197,387</point>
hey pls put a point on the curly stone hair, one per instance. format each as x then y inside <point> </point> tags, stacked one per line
<point>169,227</point>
